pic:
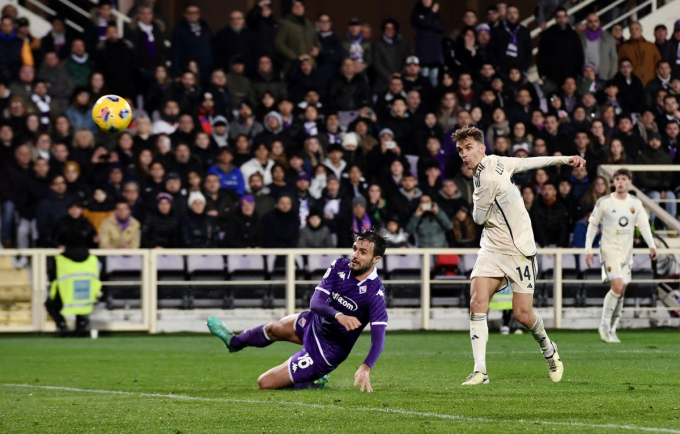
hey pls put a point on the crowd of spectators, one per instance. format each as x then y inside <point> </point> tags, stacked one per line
<point>295,133</point>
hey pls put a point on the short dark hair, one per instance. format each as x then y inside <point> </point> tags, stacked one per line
<point>465,132</point>
<point>374,237</point>
<point>624,172</point>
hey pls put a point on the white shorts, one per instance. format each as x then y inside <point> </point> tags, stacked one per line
<point>615,269</point>
<point>519,270</point>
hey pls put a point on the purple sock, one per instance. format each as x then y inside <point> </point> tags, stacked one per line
<point>307,385</point>
<point>254,337</point>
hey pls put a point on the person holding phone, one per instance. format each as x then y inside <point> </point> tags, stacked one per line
<point>429,223</point>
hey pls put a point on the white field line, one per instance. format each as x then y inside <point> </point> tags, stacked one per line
<point>363,409</point>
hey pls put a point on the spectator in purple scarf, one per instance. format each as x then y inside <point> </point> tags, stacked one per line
<point>599,48</point>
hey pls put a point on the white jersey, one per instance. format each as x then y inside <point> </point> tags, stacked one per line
<point>619,218</point>
<point>498,204</point>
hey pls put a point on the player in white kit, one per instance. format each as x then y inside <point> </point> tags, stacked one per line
<point>618,213</point>
<point>508,249</point>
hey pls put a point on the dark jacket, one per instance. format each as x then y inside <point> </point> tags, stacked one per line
<point>229,44</point>
<point>560,54</point>
<point>160,230</point>
<point>352,94</point>
<point>265,32</point>
<point>71,232</point>
<point>315,238</point>
<point>117,61</point>
<point>187,46</point>
<point>500,39</point>
<point>429,28</point>
<point>148,60</point>
<point>241,231</point>
<point>10,53</point>
<point>405,206</point>
<point>550,223</point>
<point>631,96</point>
<point>50,210</point>
<point>224,205</point>
<point>653,180</point>
<point>33,191</point>
<point>198,231</point>
<point>329,59</point>
<point>47,44</point>
<point>279,229</point>
<point>296,36</point>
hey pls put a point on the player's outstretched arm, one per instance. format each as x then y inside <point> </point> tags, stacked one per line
<point>377,346</point>
<point>517,165</point>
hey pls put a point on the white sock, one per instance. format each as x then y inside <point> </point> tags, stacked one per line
<point>610,301</point>
<point>616,316</point>
<point>479,334</point>
<point>538,332</point>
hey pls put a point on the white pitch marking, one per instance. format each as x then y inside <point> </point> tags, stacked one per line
<point>335,407</point>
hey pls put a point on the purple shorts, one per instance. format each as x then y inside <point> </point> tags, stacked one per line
<point>308,364</point>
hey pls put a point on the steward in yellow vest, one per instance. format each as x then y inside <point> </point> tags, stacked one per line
<point>75,288</point>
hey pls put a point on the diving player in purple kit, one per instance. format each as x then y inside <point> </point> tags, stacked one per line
<point>349,297</point>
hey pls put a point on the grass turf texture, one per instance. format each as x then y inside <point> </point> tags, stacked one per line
<point>606,388</point>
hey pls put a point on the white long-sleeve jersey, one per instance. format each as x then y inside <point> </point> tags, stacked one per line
<point>498,204</point>
<point>619,218</point>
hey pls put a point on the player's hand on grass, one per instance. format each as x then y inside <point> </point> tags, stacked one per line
<point>589,259</point>
<point>653,253</point>
<point>576,161</point>
<point>348,322</point>
<point>362,376</point>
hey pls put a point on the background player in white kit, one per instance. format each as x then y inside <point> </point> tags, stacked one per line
<point>619,213</point>
<point>507,249</point>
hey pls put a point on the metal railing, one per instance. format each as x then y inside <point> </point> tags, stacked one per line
<point>149,282</point>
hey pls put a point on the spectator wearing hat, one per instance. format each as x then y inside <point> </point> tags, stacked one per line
<point>560,53</point>
<point>511,42</point>
<point>429,27</point>
<point>352,154</point>
<point>379,159</point>
<point>244,124</point>
<point>390,54</point>
<point>230,176</point>
<point>656,185</point>
<point>235,39</point>
<point>173,186</point>
<point>296,37</point>
<point>259,163</point>
<point>197,229</point>
<point>429,223</point>
<point>73,230</point>
<point>599,48</point>
<point>554,218</point>
<point>414,80</point>
<point>315,234</point>
<point>206,113</point>
<point>281,226</point>
<point>242,229</point>
<point>356,47</point>
<point>643,54</point>
<point>120,230</point>
<point>274,129</point>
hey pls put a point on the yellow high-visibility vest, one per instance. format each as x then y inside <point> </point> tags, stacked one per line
<point>78,284</point>
<point>502,300</point>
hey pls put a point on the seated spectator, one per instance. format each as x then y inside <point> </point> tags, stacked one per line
<point>318,183</point>
<point>242,228</point>
<point>79,65</point>
<point>230,176</point>
<point>406,200</point>
<point>315,234</point>
<point>220,203</point>
<point>335,206</point>
<point>73,230</point>
<point>348,90</point>
<point>429,223</point>
<point>303,201</point>
<point>245,123</point>
<point>394,234</point>
<point>334,161</point>
<point>263,201</point>
<point>449,198</point>
<point>261,163</point>
<point>465,233</point>
<point>99,207</point>
<point>197,229</point>
<point>313,154</point>
<point>351,153</point>
<point>280,227</point>
<point>160,229</point>
<point>278,186</point>
<point>551,217</point>
<point>132,197</point>
<point>120,230</point>
<point>616,154</point>
<point>173,186</point>
<point>656,185</point>
<point>401,124</point>
<point>432,181</point>
<point>376,205</point>
<point>169,118</point>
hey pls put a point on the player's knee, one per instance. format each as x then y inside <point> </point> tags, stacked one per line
<point>522,316</point>
<point>273,330</point>
<point>263,382</point>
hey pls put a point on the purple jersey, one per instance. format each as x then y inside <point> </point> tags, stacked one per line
<point>364,300</point>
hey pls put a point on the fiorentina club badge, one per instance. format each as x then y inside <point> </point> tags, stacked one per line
<point>302,322</point>
<point>362,289</point>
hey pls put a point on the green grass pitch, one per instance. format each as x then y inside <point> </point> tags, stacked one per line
<point>191,384</point>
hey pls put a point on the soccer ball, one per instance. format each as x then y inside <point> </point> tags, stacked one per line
<point>112,114</point>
